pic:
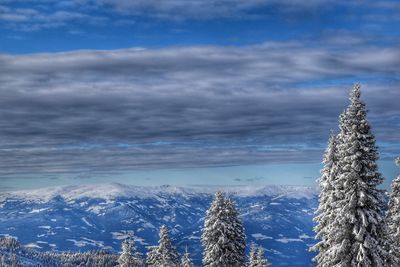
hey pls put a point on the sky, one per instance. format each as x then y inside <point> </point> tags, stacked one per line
<point>189,92</point>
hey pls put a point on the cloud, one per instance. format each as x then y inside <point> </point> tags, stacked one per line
<point>39,16</point>
<point>178,10</point>
<point>27,15</point>
<point>249,180</point>
<point>128,109</point>
<point>205,10</point>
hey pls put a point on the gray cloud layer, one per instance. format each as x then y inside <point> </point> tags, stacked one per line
<point>186,107</point>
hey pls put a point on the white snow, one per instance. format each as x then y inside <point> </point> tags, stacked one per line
<point>38,210</point>
<point>259,236</point>
<point>304,236</point>
<point>87,242</point>
<point>86,222</point>
<point>122,235</point>
<point>97,209</point>
<point>286,240</point>
<point>128,233</point>
<point>32,245</point>
<point>148,225</point>
<point>112,191</point>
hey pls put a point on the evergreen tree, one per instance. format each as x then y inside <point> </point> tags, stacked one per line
<point>164,255</point>
<point>357,232</point>
<point>253,256</point>
<point>129,256</point>
<point>236,235</point>
<point>186,261</point>
<point>393,217</point>
<point>326,211</point>
<point>14,261</point>
<point>3,261</point>
<point>257,257</point>
<point>151,255</point>
<point>223,236</point>
<point>213,237</point>
<point>262,261</point>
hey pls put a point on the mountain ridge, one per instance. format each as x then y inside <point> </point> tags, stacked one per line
<point>113,190</point>
<point>100,216</point>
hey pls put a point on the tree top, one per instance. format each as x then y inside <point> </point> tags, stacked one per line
<point>355,92</point>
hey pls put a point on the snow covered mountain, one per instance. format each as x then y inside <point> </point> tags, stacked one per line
<point>81,218</point>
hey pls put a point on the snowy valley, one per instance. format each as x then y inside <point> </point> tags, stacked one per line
<point>100,217</point>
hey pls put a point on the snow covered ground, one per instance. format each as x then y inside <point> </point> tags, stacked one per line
<point>98,216</point>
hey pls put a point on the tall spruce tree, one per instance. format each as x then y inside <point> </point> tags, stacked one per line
<point>393,217</point>
<point>164,255</point>
<point>325,211</point>
<point>129,256</point>
<point>223,236</point>
<point>357,232</point>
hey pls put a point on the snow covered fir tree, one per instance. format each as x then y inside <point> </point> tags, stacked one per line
<point>186,260</point>
<point>326,210</point>
<point>129,256</point>
<point>165,254</point>
<point>350,217</point>
<point>13,253</point>
<point>257,257</point>
<point>253,256</point>
<point>223,235</point>
<point>261,259</point>
<point>393,216</point>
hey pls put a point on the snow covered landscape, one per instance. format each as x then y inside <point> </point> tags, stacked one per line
<point>190,133</point>
<point>349,215</point>
<point>93,217</point>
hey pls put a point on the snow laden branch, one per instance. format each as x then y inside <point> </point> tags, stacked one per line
<point>350,218</point>
<point>393,216</point>
<point>165,254</point>
<point>223,235</point>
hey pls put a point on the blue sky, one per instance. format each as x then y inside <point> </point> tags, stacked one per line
<point>49,26</point>
<point>189,92</point>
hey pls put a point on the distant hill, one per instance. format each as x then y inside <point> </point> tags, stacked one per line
<point>87,217</point>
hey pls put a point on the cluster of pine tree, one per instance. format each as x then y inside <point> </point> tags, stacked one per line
<point>256,258</point>
<point>223,241</point>
<point>351,225</point>
<point>13,254</point>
